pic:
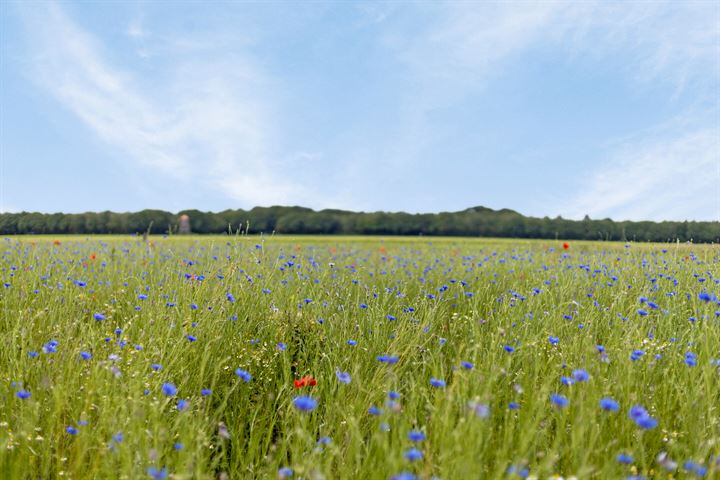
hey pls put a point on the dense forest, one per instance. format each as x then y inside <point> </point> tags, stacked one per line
<point>473,222</point>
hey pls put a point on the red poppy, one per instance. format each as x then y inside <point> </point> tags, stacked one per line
<point>306,381</point>
<point>566,245</point>
<point>56,242</point>
<point>93,256</point>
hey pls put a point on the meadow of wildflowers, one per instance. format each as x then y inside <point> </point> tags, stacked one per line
<point>327,357</point>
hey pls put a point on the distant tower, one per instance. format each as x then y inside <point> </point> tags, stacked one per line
<point>184,224</point>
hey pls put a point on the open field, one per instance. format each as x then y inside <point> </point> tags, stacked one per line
<point>192,357</point>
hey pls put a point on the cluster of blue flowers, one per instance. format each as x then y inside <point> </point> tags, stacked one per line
<point>462,342</point>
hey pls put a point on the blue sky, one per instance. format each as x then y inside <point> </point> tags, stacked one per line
<point>549,108</point>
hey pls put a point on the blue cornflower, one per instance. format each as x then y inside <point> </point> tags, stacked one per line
<point>193,306</point>
<point>637,411</point>
<point>636,354</point>
<point>169,389</point>
<point>403,476</point>
<point>243,374</point>
<point>521,472</point>
<point>509,349</point>
<point>413,454</point>
<point>50,347</point>
<point>392,395</point>
<point>343,377</point>
<point>205,392</point>
<point>642,313</point>
<point>467,365</point>
<point>99,317</point>
<point>391,317</point>
<point>71,430</point>
<point>230,297</point>
<point>281,346</point>
<point>625,458</point>
<point>580,375</point>
<point>182,405</point>
<point>86,355</point>
<point>416,436</point>
<point>156,366</point>
<point>178,446</point>
<point>142,296</point>
<point>701,470</point>
<point>609,404</point>
<point>437,383</point>
<point>567,381</point>
<point>389,359</point>
<point>285,472</point>
<point>705,297</point>
<point>559,400</point>
<point>553,340</point>
<point>647,423</point>
<point>23,394</point>
<point>690,359</point>
<point>191,338</point>
<point>363,305</point>
<point>514,406</point>
<point>156,474</point>
<point>373,410</point>
<point>641,417</point>
<point>481,410</point>
<point>305,403</point>
<point>351,342</point>
<point>118,437</point>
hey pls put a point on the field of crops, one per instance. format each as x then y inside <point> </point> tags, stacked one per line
<point>343,358</point>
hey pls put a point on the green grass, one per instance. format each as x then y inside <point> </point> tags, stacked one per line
<point>596,284</point>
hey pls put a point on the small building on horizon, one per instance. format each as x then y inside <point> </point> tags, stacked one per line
<point>184,225</point>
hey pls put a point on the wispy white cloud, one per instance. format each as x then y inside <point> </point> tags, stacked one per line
<point>210,125</point>
<point>652,178</point>
<point>209,116</point>
<point>465,46</point>
<point>135,29</point>
<point>456,52</point>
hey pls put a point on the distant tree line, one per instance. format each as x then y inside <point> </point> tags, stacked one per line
<point>473,222</point>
